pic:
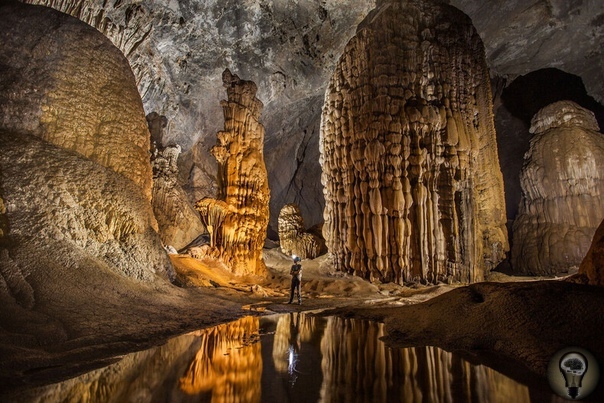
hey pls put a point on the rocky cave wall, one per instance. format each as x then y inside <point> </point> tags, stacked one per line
<point>238,218</point>
<point>413,189</point>
<point>562,188</point>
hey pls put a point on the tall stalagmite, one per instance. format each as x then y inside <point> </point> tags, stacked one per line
<point>242,181</point>
<point>562,191</point>
<point>411,175</point>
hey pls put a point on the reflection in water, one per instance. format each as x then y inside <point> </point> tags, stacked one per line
<point>287,358</point>
<point>228,363</point>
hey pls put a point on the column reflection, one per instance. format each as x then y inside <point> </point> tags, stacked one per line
<point>286,358</point>
<point>228,364</point>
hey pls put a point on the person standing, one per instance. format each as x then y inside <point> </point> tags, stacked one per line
<point>296,273</point>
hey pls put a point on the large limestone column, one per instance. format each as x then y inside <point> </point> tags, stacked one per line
<point>562,191</point>
<point>238,219</point>
<point>411,175</point>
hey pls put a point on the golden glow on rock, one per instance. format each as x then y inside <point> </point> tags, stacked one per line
<point>228,364</point>
<point>238,219</point>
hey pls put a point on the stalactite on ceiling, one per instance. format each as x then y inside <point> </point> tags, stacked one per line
<point>411,174</point>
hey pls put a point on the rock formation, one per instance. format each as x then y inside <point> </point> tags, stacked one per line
<point>413,189</point>
<point>64,211</point>
<point>238,218</point>
<point>67,85</point>
<point>177,51</point>
<point>178,222</point>
<point>562,191</point>
<point>42,91</point>
<point>293,238</point>
<point>78,231</point>
<point>592,266</point>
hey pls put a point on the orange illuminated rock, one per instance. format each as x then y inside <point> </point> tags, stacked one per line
<point>413,188</point>
<point>239,217</point>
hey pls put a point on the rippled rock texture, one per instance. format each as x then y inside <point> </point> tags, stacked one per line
<point>42,91</point>
<point>77,225</point>
<point>562,189</point>
<point>87,178</point>
<point>413,189</point>
<point>237,219</point>
<point>293,238</point>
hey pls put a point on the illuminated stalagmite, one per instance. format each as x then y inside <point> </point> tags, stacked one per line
<point>242,181</point>
<point>562,191</point>
<point>411,177</point>
<point>293,238</point>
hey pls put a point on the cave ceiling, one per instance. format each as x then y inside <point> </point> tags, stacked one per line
<point>178,50</point>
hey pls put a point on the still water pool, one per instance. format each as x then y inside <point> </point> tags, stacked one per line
<point>287,358</point>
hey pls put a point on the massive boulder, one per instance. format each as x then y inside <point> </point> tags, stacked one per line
<point>562,191</point>
<point>413,189</point>
<point>68,85</point>
<point>78,237</point>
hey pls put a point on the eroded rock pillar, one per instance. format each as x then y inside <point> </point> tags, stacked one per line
<point>411,175</point>
<point>562,191</point>
<point>240,214</point>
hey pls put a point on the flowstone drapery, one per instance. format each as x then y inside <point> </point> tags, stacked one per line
<point>411,177</point>
<point>239,216</point>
